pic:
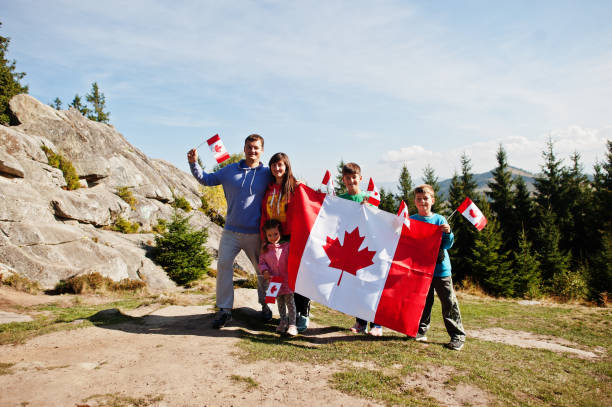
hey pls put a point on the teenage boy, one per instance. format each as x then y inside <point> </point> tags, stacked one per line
<point>351,177</point>
<point>244,184</point>
<point>442,282</point>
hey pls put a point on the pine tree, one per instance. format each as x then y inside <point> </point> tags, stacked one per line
<point>526,268</point>
<point>78,105</point>
<point>9,81</point>
<point>404,186</point>
<point>502,199</point>
<point>180,250</point>
<point>98,102</point>
<point>462,187</point>
<point>339,186</point>
<point>553,260</point>
<point>57,104</point>
<point>578,236</point>
<point>524,209</point>
<point>430,178</point>
<point>387,201</point>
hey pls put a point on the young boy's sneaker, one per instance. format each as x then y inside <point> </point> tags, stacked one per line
<point>455,344</point>
<point>420,338</point>
<point>376,331</point>
<point>358,328</point>
<point>222,318</point>
<point>302,323</point>
<point>292,330</point>
<point>266,313</point>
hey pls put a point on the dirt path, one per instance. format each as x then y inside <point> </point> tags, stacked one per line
<point>175,359</point>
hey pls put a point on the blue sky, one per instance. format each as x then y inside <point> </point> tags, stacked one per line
<point>381,83</point>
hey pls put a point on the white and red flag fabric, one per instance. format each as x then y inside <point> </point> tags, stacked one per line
<point>373,194</point>
<point>327,185</point>
<point>403,213</point>
<point>218,149</point>
<point>360,260</point>
<point>273,289</point>
<point>471,212</point>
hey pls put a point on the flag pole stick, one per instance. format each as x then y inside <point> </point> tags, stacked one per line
<point>451,215</point>
<point>201,144</point>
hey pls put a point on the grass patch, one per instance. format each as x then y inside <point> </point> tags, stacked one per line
<point>117,400</point>
<point>125,193</point>
<point>5,368</point>
<point>21,283</point>
<point>53,318</point>
<point>96,283</point>
<point>248,381</point>
<point>508,374</point>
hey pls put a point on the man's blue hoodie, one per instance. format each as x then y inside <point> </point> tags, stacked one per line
<point>244,188</point>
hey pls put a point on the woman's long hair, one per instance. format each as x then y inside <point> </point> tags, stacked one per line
<point>289,182</point>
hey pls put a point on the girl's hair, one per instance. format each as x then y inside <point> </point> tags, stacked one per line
<point>289,182</point>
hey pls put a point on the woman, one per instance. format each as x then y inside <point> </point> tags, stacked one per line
<point>274,206</point>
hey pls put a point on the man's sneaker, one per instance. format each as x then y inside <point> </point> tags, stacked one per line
<point>282,327</point>
<point>292,330</point>
<point>302,323</point>
<point>221,319</point>
<point>455,344</point>
<point>358,328</point>
<point>376,331</point>
<point>266,313</point>
<point>420,338</point>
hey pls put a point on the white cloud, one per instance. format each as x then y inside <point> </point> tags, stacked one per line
<point>522,152</point>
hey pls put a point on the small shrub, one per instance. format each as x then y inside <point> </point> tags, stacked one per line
<point>95,282</point>
<point>58,161</point>
<point>570,285</point>
<point>180,250</point>
<point>21,283</point>
<point>212,272</point>
<point>181,203</point>
<point>214,204</point>
<point>160,227</point>
<point>125,226</point>
<point>126,194</point>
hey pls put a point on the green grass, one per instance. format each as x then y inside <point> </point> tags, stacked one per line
<point>52,318</point>
<point>249,382</point>
<point>508,374</point>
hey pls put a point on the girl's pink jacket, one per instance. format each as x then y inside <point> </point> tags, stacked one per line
<point>275,259</point>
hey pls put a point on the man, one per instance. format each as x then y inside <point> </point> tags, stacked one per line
<point>244,184</point>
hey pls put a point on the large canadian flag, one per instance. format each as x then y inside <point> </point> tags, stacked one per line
<point>360,260</point>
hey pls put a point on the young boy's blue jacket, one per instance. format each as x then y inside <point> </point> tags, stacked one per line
<point>244,188</point>
<point>442,269</point>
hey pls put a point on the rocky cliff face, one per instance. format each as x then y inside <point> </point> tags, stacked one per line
<point>48,233</point>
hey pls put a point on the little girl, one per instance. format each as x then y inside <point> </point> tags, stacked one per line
<point>273,261</point>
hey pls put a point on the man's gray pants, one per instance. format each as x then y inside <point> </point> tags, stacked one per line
<point>230,245</point>
<point>450,308</point>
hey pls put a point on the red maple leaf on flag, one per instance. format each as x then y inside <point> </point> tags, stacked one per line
<point>348,257</point>
<point>218,148</point>
<point>273,289</point>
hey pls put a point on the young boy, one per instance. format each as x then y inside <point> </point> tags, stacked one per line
<point>351,176</point>
<point>442,282</point>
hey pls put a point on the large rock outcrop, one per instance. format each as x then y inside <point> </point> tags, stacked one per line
<point>48,233</point>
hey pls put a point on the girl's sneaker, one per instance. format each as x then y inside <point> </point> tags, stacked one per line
<point>376,331</point>
<point>358,328</point>
<point>302,323</point>
<point>292,330</point>
<point>282,327</point>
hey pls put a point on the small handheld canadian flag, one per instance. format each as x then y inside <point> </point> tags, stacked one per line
<point>471,212</point>
<point>327,185</point>
<point>218,149</point>
<point>273,289</point>
<point>374,195</point>
<point>403,212</point>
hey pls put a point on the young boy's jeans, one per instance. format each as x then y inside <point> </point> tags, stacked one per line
<point>450,308</point>
<point>230,245</point>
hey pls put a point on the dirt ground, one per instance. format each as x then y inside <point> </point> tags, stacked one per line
<point>176,359</point>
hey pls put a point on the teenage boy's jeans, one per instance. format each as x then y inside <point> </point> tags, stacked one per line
<point>450,308</point>
<point>230,245</point>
